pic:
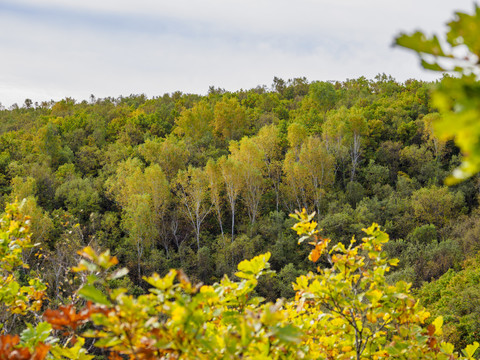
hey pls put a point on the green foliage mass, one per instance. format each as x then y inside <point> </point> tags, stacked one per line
<point>454,295</point>
<point>200,183</point>
<point>455,96</point>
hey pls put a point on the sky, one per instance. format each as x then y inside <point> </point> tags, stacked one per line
<point>52,49</point>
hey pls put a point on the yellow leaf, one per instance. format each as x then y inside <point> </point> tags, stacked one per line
<point>337,322</point>
<point>371,317</point>
<point>438,322</point>
<point>470,349</point>
<point>374,295</point>
<point>178,314</point>
<point>88,253</point>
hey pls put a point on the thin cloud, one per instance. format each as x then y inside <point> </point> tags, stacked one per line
<point>137,24</point>
<point>54,49</point>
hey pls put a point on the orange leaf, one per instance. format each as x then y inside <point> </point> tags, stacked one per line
<point>430,330</point>
<point>314,255</point>
<point>41,351</point>
<point>67,316</point>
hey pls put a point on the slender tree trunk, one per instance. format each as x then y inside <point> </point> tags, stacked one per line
<point>197,234</point>
<point>165,245</point>
<point>355,155</point>
<point>233,219</point>
<point>139,256</point>
<point>174,228</point>
<point>219,218</point>
<point>277,198</point>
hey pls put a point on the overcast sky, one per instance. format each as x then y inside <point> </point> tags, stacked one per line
<point>51,49</point>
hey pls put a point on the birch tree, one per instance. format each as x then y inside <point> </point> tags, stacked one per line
<point>140,225</point>
<point>436,144</point>
<point>318,167</point>
<point>291,187</point>
<point>356,128</point>
<point>250,157</point>
<point>192,187</point>
<point>307,176</point>
<point>230,169</point>
<point>215,184</point>
<point>144,197</point>
<point>333,135</point>
<point>268,141</point>
<point>157,187</point>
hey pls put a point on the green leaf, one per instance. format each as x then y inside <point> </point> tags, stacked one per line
<point>92,279</point>
<point>288,333</point>
<point>420,43</point>
<point>464,30</point>
<point>32,336</point>
<point>447,348</point>
<point>431,66</point>
<point>89,292</point>
<point>108,342</point>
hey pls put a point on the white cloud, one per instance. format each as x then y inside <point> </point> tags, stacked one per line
<point>54,49</point>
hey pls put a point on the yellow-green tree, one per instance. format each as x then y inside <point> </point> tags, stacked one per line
<point>192,187</point>
<point>144,196</point>
<point>138,221</point>
<point>333,131</point>
<point>229,119</point>
<point>436,144</point>
<point>436,205</point>
<point>195,124</point>
<point>250,157</point>
<point>216,185</point>
<point>269,142</point>
<point>292,188</point>
<point>318,169</point>
<point>308,174</point>
<point>170,153</point>
<point>24,189</point>
<point>124,184</point>
<point>296,134</point>
<point>230,168</point>
<point>156,186</point>
<point>356,128</point>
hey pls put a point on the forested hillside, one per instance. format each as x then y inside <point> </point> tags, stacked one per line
<point>228,225</point>
<point>200,183</point>
<point>203,182</point>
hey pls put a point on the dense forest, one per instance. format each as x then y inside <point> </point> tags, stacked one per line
<point>200,183</point>
<point>203,182</point>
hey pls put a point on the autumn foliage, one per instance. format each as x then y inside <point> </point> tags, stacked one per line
<point>344,310</point>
